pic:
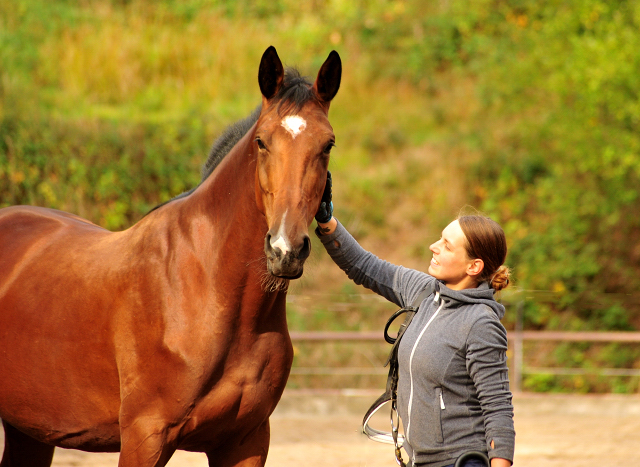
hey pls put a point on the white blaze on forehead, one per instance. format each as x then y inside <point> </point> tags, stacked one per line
<point>280,240</point>
<point>294,125</point>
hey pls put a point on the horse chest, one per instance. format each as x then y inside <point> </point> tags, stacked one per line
<point>249,386</point>
<point>258,371</point>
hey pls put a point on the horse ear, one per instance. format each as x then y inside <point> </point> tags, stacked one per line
<point>328,80</point>
<point>271,73</point>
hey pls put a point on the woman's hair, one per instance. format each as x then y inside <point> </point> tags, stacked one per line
<point>486,241</point>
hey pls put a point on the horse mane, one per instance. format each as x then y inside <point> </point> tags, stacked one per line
<point>296,90</point>
<point>227,140</point>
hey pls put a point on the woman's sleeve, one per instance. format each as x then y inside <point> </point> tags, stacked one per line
<point>397,284</point>
<point>487,365</point>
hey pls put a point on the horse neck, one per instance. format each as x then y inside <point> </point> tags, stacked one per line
<point>219,230</point>
<point>226,204</point>
<point>224,219</point>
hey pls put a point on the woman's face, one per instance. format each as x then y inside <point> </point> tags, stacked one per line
<point>450,262</point>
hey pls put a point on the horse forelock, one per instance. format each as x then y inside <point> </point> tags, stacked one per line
<point>296,91</point>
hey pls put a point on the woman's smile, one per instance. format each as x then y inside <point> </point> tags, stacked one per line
<point>450,262</point>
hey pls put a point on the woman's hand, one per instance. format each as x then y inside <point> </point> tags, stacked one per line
<point>326,223</point>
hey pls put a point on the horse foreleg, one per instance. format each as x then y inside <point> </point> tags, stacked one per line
<point>144,443</point>
<point>251,451</point>
<point>21,450</point>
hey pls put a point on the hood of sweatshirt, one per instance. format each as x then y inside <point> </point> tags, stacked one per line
<point>482,294</point>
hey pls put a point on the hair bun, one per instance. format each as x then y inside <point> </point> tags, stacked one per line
<point>500,279</point>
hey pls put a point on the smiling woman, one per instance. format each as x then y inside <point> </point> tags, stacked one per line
<point>486,240</point>
<point>472,250</point>
<point>453,388</point>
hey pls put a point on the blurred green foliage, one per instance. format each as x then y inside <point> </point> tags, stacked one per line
<point>566,164</point>
<point>528,110</point>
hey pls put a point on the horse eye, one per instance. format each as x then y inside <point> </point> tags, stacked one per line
<point>261,145</point>
<point>328,148</point>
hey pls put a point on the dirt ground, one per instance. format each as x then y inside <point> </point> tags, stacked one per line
<point>314,430</point>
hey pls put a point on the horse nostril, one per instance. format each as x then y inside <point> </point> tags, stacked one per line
<point>306,248</point>
<point>268,249</point>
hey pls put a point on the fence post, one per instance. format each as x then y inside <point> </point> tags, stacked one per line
<point>518,352</point>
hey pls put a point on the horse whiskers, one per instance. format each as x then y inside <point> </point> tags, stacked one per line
<point>271,283</point>
<point>268,281</point>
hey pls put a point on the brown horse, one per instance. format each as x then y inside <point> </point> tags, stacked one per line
<point>171,334</point>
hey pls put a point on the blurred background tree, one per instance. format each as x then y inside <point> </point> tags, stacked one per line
<point>526,110</point>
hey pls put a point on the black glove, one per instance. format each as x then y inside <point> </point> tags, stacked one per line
<point>325,211</point>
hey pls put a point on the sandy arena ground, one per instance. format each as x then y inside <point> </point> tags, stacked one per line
<point>313,430</point>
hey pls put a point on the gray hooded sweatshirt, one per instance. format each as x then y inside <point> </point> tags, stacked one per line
<point>453,388</point>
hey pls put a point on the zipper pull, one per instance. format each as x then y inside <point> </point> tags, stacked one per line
<point>442,402</point>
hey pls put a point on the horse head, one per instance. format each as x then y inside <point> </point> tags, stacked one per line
<point>293,141</point>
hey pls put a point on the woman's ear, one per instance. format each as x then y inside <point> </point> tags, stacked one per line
<point>475,267</point>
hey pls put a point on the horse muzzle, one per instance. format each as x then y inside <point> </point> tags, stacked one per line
<point>285,260</point>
